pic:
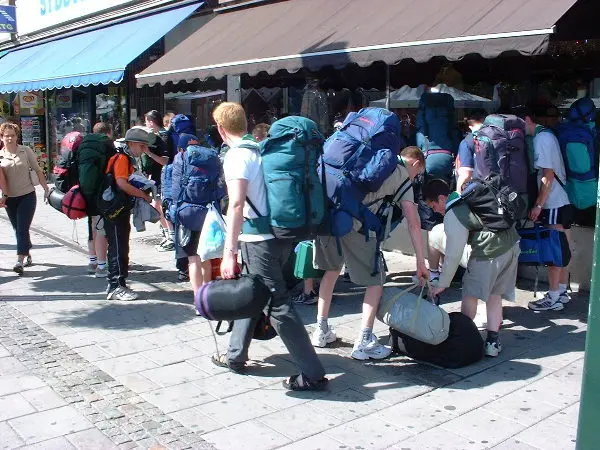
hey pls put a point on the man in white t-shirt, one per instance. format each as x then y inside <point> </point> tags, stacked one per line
<point>552,207</point>
<point>262,254</point>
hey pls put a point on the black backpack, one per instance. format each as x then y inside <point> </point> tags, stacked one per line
<point>497,205</point>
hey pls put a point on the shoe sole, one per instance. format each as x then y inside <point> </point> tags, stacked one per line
<point>492,354</point>
<point>558,306</point>
<point>367,357</point>
<point>100,275</point>
<point>327,342</point>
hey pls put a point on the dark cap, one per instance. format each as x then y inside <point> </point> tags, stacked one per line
<point>186,139</point>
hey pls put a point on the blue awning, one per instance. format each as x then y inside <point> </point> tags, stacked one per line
<point>96,57</point>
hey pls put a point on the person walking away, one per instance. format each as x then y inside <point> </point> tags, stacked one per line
<point>22,172</point>
<point>262,255</point>
<point>119,229</point>
<point>492,266</point>
<point>153,163</point>
<point>358,255</point>
<point>465,163</point>
<point>552,206</point>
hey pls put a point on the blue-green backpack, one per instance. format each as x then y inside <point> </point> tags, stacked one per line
<point>295,193</point>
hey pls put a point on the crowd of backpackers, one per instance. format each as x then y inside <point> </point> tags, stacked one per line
<point>511,188</point>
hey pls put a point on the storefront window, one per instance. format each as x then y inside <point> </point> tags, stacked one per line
<point>111,107</point>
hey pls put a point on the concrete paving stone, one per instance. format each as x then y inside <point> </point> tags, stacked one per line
<point>90,439</point>
<point>43,398</point>
<point>9,438</point>
<point>393,392</point>
<point>279,398</point>
<point>270,371</point>
<point>49,424</point>
<point>10,365</point>
<point>171,354</point>
<point>417,415</point>
<point>175,398</point>
<point>93,353</point>
<point>514,444</point>
<point>227,384</point>
<point>437,439</point>
<point>205,365</point>
<point>84,338</point>
<point>172,374</point>
<point>348,404</point>
<point>195,420</point>
<point>369,433</point>
<point>4,352</point>
<point>137,382</point>
<point>240,408</point>
<point>206,346</point>
<point>484,427</point>
<point>555,392</point>
<point>10,384</point>
<point>527,408</point>
<point>126,346</point>
<point>58,443</point>
<point>568,416</point>
<point>549,434</point>
<point>317,442</point>
<point>123,365</point>
<point>301,421</point>
<point>236,436</point>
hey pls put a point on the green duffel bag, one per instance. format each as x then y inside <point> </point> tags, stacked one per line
<point>303,266</point>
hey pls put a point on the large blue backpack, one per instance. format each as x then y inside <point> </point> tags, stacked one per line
<point>358,158</point>
<point>578,145</point>
<point>180,124</point>
<point>295,194</point>
<point>196,182</point>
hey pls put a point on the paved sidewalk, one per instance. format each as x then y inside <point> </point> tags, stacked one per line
<point>77,371</point>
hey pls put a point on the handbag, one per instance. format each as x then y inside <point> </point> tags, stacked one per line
<point>212,236</point>
<point>33,176</point>
<point>540,246</point>
<point>413,315</point>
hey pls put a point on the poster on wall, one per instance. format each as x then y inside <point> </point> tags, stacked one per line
<point>64,99</point>
<point>28,100</point>
<point>32,135</point>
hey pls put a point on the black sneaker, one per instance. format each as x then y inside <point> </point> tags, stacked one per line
<point>183,276</point>
<point>18,268</point>
<point>306,299</point>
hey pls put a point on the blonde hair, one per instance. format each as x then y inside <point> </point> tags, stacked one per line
<point>9,126</point>
<point>232,117</point>
<point>413,152</point>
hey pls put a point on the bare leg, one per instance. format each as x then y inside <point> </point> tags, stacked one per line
<point>494,312</point>
<point>101,247</point>
<point>469,307</point>
<point>195,270</point>
<point>309,285</point>
<point>434,257</point>
<point>370,305</point>
<point>158,206</point>
<point>326,292</point>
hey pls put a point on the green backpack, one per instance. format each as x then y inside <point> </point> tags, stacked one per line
<point>92,157</point>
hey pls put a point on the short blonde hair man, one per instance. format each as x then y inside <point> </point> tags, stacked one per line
<point>231,117</point>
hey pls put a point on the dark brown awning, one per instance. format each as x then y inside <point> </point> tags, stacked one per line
<point>310,34</point>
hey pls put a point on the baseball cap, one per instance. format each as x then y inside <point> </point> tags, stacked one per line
<point>140,134</point>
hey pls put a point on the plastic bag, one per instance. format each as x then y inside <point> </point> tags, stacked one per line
<point>212,236</point>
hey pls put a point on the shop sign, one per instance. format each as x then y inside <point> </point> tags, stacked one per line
<point>8,19</point>
<point>34,15</point>
<point>64,99</point>
<point>28,100</point>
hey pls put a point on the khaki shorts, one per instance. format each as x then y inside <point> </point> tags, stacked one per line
<point>437,241</point>
<point>357,254</point>
<point>498,276</point>
<point>98,225</point>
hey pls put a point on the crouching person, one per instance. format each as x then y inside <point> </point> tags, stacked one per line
<point>492,267</point>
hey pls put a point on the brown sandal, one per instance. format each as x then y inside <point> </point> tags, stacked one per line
<point>221,360</point>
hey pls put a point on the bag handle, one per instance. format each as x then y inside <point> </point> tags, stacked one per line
<point>400,294</point>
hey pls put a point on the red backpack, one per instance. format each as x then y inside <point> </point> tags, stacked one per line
<point>65,169</point>
<point>73,204</point>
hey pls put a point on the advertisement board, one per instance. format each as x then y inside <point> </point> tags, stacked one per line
<point>34,15</point>
<point>8,19</point>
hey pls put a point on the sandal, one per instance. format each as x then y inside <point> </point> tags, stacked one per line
<point>28,261</point>
<point>303,383</point>
<point>220,359</point>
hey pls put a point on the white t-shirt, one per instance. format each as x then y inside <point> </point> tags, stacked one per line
<point>548,156</point>
<point>246,164</point>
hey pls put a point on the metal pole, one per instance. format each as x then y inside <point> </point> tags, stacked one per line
<point>589,410</point>
<point>387,86</point>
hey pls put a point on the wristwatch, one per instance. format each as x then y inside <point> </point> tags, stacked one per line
<point>538,206</point>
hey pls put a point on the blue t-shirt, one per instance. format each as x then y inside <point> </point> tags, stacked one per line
<point>466,152</point>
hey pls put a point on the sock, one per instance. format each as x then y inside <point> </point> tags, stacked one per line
<point>492,336</point>
<point>101,264</point>
<point>553,295</point>
<point>172,236</point>
<point>433,274</point>
<point>562,287</point>
<point>93,259</point>
<point>366,334</point>
<point>323,325</point>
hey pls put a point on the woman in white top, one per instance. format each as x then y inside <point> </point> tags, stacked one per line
<point>22,172</point>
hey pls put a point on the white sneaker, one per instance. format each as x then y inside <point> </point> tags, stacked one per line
<point>321,339</point>
<point>493,349</point>
<point>122,293</point>
<point>546,304</point>
<point>564,297</point>
<point>101,272</point>
<point>370,350</point>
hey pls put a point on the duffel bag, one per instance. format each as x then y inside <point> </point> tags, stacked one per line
<point>540,246</point>
<point>240,298</point>
<point>413,315</point>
